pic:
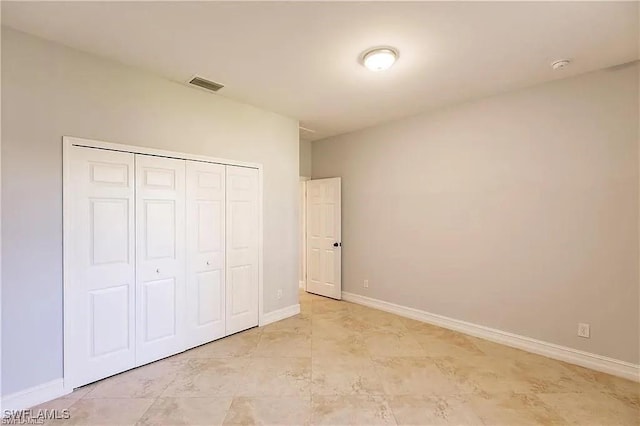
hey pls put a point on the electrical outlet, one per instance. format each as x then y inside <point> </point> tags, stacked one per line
<point>279,294</point>
<point>366,284</point>
<point>584,330</point>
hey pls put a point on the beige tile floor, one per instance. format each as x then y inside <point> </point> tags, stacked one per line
<point>338,363</point>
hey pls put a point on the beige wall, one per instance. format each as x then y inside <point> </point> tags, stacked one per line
<point>305,158</point>
<point>517,212</point>
<point>49,91</point>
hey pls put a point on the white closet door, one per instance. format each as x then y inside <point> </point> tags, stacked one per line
<point>205,252</point>
<point>100,275</point>
<point>242,248</point>
<point>160,254</point>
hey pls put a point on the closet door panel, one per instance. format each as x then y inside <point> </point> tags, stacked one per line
<point>160,271</point>
<point>100,278</point>
<point>242,248</point>
<point>205,252</point>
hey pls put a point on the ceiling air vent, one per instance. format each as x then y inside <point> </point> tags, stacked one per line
<point>206,84</point>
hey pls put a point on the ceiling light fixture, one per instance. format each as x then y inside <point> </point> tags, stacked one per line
<point>379,58</point>
<point>562,63</point>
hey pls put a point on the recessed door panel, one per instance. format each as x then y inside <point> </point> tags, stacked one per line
<point>209,290</point>
<point>109,173</point>
<point>206,252</point>
<point>160,272</point>
<point>242,248</point>
<point>156,178</point>
<point>209,226</point>
<point>324,241</point>
<point>329,266</point>
<point>159,309</point>
<point>240,215</point>
<point>109,224</point>
<point>329,222</point>
<point>240,288</point>
<point>314,264</point>
<point>211,179</point>
<point>109,320</point>
<point>160,229</point>
<point>99,314</point>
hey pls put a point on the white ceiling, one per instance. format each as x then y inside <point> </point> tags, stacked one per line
<point>301,59</point>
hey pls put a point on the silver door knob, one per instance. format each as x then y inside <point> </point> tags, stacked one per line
<point>157,271</point>
<point>208,263</point>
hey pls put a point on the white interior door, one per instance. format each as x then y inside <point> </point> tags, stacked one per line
<point>205,252</point>
<point>324,238</point>
<point>242,248</point>
<point>99,292</point>
<point>160,247</point>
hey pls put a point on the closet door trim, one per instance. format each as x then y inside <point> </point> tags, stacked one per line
<point>68,142</point>
<point>110,146</point>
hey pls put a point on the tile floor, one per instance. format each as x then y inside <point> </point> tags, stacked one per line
<point>338,363</point>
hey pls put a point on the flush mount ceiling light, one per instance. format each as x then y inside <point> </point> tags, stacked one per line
<point>379,58</point>
<point>560,64</point>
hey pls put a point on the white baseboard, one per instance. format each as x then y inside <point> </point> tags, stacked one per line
<point>280,314</point>
<point>585,359</point>
<point>33,396</point>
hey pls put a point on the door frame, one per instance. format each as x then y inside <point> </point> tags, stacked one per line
<point>303,229</point>
<point>68,142</point>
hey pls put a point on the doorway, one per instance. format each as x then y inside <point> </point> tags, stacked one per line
<point>323,237</point>
<point>302,232</point>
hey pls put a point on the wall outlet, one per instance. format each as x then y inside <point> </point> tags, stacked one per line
<point>279,294</point>
<point>365,284</point>
<point>584,330</point>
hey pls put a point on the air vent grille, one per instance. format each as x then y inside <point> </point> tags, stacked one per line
<point>206,84</point>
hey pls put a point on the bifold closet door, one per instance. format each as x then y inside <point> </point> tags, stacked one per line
<point>242,248</point>
<point>205,252</point>
<point>99,296</point>
<point>160,257</point>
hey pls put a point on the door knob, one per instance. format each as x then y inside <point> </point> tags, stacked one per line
<point>208,263</point>
<point>157,271</point>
